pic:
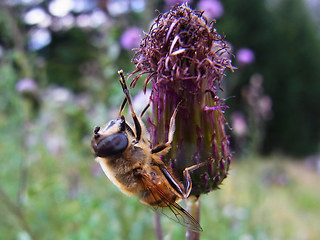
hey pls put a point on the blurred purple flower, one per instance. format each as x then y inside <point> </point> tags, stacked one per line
<point>265,107</point>
<point>239,124</point>
<point>174,2</point>
<point>254,94</point>
<point>131,38</point>
<point>212,8</point>
<point>245,56</point>
<point>1,52</point>
<point>313,162</point>
<point>58,95</point>
<point>26,86</point>
<point>55,143</point>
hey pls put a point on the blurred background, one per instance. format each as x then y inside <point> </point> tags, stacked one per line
<point>58,80</point>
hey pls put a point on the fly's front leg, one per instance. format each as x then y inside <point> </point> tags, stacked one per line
<point>164,148</point>
<point>146,108</point>
<point>128,99</point>
<point>122,107</point>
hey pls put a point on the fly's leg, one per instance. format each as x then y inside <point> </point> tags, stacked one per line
<point>163,148</point>
<point>146,108</point>
<point>183,189</point>
<point>122,107</point>
<point>187,183</point>
<point>128,99</point>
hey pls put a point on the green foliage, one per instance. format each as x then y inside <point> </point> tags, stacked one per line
<point>65,61</point>
<point>296,99</point>
<point>286,44</point>
<point>272,202</point>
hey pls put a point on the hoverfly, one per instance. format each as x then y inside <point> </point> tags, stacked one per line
<point>124,153</point>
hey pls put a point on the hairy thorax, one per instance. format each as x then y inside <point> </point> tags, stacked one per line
<point>121,170</point>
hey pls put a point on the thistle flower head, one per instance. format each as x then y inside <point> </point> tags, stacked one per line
<point>185,58</point>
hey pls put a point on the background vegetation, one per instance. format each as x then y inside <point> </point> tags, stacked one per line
<point>58,79</point>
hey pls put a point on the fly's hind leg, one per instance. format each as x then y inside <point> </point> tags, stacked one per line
<point>187,182</point>
<point>184,188</point>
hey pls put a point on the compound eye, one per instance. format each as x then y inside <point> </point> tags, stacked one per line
<point>112,145</point>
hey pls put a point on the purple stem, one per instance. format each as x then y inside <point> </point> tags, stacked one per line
<point>157,226</point>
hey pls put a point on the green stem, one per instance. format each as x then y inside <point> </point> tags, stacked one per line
<point>18,41</point>
<point>16,211</point>
<point>28,113</point>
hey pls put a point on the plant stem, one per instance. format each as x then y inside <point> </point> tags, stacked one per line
<point>193,207</point>
<point>28,113</point>
<point>158,227</point>
<point>16,210</point>
<point>18,41</point>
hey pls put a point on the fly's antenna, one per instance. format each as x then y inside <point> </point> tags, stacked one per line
<point>128,99</point>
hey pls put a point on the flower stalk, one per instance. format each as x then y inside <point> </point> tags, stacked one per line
<point>193,207</point>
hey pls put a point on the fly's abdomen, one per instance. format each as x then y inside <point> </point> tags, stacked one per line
<point>158,196</point>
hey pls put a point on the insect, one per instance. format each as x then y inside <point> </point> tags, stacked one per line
<point>124,153</point>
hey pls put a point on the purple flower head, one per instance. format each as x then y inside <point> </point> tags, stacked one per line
<point>26,86</point>
<point>1,52</point>
<point>174,2</point>
<point>254,95</point>
<point>131,38</point>
<point>245,56</point>
<point>212,8</point>
<point>239,124</point>
<point>265,107</point>
<point>184,58</point>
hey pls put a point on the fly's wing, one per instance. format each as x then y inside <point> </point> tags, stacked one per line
<point>171,209</point>
<point>178,214</point>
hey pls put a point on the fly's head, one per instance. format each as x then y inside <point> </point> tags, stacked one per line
<point>110,140</point>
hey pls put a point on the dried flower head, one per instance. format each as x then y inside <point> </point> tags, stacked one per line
<point>185,58</point>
